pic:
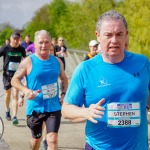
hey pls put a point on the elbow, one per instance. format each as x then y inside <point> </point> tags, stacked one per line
<point>65,117</point>
<point>12,82</point>
<point>63,112</point>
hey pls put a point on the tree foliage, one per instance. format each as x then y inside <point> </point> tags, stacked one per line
<point>137,15</point>
<point>39,21</point>
<point>57,12</point>
<point>5,34</point>
<point>76,21</point>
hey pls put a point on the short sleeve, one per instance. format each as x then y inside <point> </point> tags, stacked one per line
<point>76,93</point>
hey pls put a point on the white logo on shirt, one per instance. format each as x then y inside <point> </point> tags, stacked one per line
<point>103,82</point>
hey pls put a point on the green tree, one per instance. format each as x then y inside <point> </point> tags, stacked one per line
<point>138,24</point>
<point>57,10</point>
<point>5,34</point>
<point>76,21</point>
<point>39,21</point>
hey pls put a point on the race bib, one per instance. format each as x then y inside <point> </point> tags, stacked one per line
<point>49,91</point>
<point>61,55</point>
<point>123,114</point>
<point>12,66</point>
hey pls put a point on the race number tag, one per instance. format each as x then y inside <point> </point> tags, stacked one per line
<point>49,91</point>
<point>13,66</point>
<point>123,114</point>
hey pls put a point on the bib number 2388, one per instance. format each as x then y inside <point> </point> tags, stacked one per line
<point>123,114</point>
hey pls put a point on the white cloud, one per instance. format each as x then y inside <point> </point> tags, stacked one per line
<point>18,12</point>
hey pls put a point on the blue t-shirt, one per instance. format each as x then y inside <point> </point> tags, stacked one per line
<point>44,77</point>
<point>125,87</point>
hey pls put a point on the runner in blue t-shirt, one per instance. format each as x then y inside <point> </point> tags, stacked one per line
<point>114,88</point>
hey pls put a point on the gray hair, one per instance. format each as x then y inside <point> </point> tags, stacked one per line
<point>41,32</point>
<point>112,14</point>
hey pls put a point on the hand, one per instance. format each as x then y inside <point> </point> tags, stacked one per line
<point>95,111</point>
<point>61,99</point>
<point>29,94</point>
<point>62,51</point>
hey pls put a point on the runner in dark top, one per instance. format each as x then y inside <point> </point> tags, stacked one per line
<point>12,56</point>
<point>93,45</point>
<point>61,50</point>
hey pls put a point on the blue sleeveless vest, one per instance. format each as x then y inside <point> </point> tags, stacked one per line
<point>44,77</point>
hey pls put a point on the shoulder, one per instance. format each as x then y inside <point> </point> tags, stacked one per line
<point>33,57</point>
<point>139,61</point>
<point>85,69</point>
<point>5,48</point>
<point>26,63</point>
<point>30,46</point>
<point>23,43</point>
<point>88,65</point>
<point>86,57</point>
<point>57,47</point>
<point>59,61</point>
<point>26,60</point>
<point>65,46</point>
<point>138,58</point>
<point>21,47</point>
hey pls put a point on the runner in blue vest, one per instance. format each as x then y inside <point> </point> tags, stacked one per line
<point>114,89</point>
<point>42,71</point>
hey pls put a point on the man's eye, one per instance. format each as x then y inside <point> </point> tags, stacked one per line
<point>120,34</point>
<point>108,35</point>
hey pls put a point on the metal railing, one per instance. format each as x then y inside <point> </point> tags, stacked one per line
<point>1,127</point>
<point>73,59</point>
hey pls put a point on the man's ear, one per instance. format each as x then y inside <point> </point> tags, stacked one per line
<point>97,34</point>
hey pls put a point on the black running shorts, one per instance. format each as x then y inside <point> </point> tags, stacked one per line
<point>51,119</point>
<point>7,81</point>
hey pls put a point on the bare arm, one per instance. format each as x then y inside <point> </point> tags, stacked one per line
<point>57,53</point>
<point>63,79</point>
<point>79,114</point>
<point>73,113</point>
<point>19,74</point>
<point>23,70</point>
<point>65,54</point>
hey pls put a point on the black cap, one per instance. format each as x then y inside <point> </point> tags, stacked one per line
<point>15,34</point>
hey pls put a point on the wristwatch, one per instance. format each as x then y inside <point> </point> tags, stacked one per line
<point>63,93</point>
<point>21,96</point>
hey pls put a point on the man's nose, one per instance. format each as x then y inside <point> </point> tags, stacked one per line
<point>114,39</point>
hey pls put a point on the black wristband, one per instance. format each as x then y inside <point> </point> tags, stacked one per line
<point>21,96</point>
<point>63,93</point>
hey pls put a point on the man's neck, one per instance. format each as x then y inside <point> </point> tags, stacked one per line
<point>42,57</point>
<point>112,60</point>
